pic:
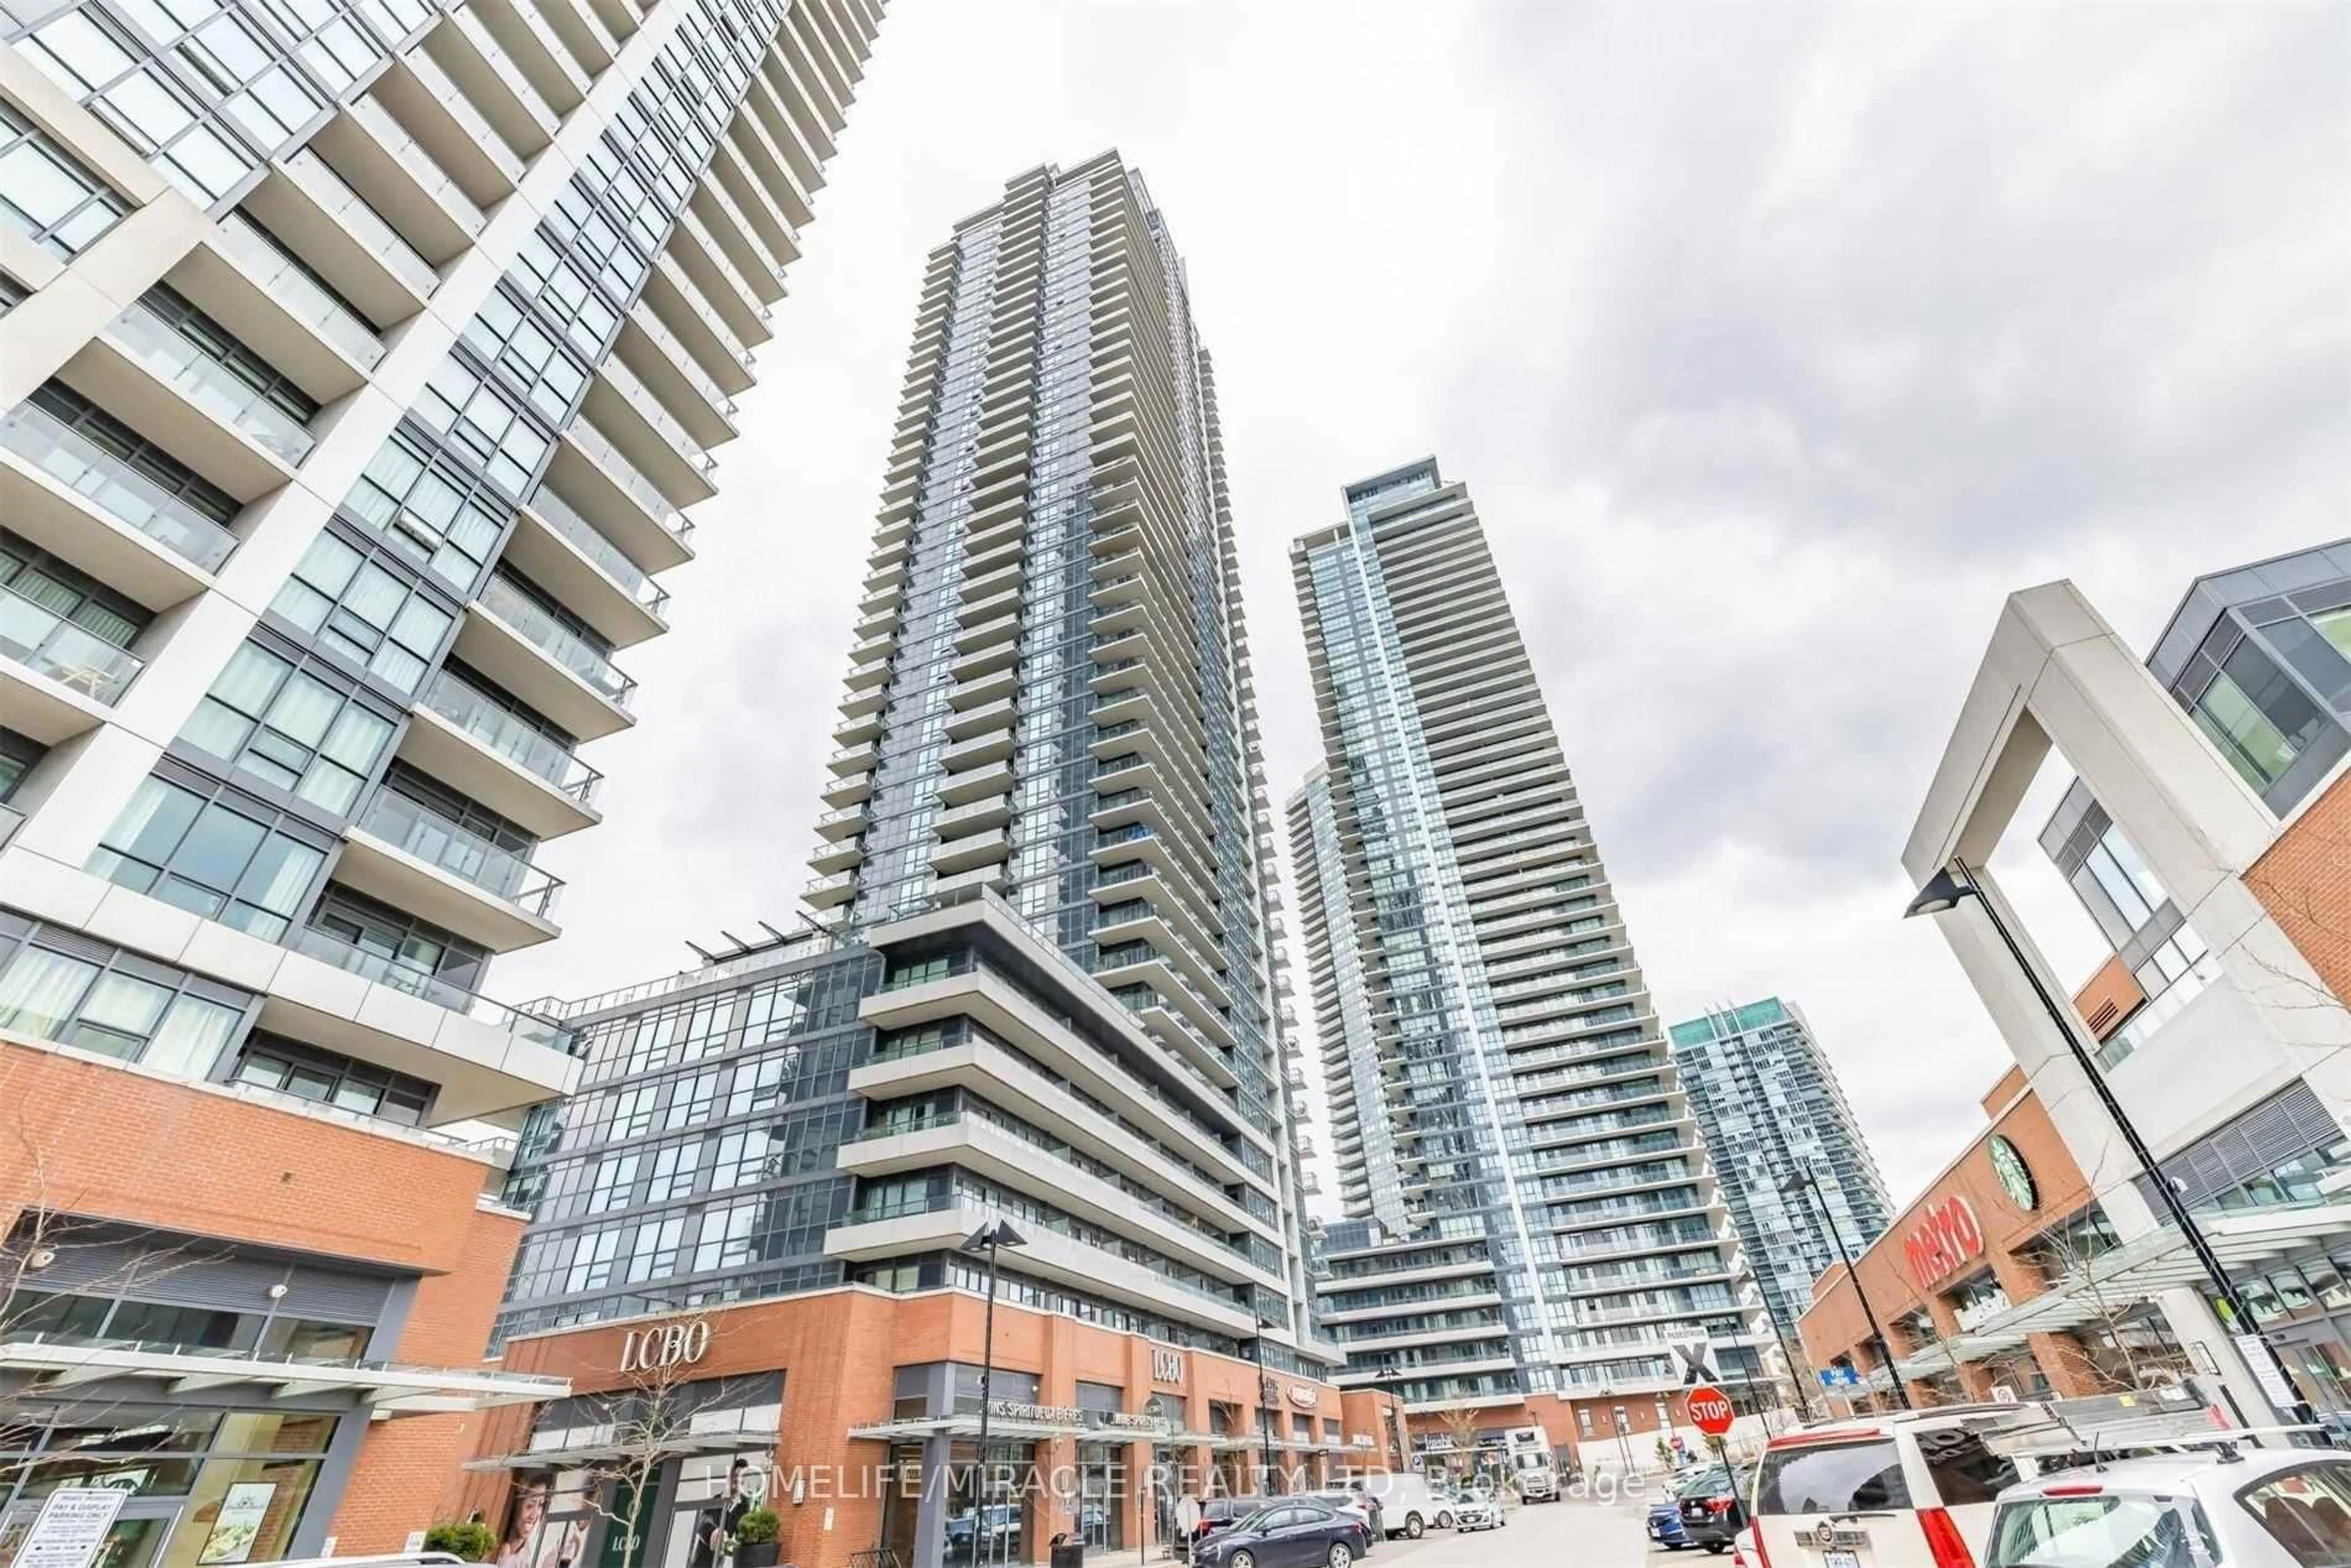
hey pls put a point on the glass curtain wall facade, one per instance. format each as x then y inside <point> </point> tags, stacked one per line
<point>1537,1213</point>
<point>2259,657</point>
<point>1769,1104</point>
<point>364,359</point>
<point>1049,704</point>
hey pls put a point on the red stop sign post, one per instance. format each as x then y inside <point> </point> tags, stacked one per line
<point>1710,1412</point>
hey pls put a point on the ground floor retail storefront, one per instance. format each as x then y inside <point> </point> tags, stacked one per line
<point>856,1416</point>
<point>204,1401</point>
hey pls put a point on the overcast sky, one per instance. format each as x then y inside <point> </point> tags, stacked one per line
<point>1775,343</point>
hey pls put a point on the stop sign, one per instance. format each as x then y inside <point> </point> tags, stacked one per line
<point>1711,1411</point>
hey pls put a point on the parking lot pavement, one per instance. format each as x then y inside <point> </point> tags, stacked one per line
<point>1570,1535</point>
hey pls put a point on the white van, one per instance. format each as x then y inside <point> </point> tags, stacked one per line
<point>1407,1507</point>
<point>1914,1488</point>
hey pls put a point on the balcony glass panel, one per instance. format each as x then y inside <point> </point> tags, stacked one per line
<point>385,970</point>
<point>659,418</point>
<point>556,641</point>
<point>62,650</point>
<point>326,188</point>
<point>690,293</point>
<point>624,473</point>
<point>558,515</point>
<point>418,162</point>
<point>420,831</point>
<point>297,291</point>
<point>210,384</point>
<point>461,705</point>
<point>88,469</point>
<point>682,359</point>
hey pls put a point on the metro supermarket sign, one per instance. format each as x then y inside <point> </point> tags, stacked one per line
<point>1947,1235</point>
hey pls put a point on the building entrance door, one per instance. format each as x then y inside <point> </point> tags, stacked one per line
<point>1102,1496</point>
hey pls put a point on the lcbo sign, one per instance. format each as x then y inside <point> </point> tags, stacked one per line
<point>664,1345</point>
<point>1948,1235</point>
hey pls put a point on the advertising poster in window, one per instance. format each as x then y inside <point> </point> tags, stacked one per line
<point>238,1525</point>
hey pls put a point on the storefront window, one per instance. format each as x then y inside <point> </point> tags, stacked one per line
<point>217,1487</point>
<point>998,1532</point>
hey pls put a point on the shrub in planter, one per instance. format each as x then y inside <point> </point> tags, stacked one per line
<point>755,1539</point>
<point>469,1539</point>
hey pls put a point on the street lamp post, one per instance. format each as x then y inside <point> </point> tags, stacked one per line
<point>995,1234</point>
<point>1806,1180</point>
<point>1264,1413</point>
<point>1388,1378</point>
<point>1945,890</point>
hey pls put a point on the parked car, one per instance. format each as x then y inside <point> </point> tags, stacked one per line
<point>1407,1503</point>
<point>1479,1509</point>
<point>1665,1524</point>
<point>1712,1507</point>
<point>1363,1505</point>
<point>1288,1533</point>
<point>2269,1508</point>
<point>1742,1550</point>
<point>1915,1488</point>
<point>1218,1514</point>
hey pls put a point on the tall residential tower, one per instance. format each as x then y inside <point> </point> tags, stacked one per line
<point>1537,1221</point>
<point>359,359</point>
<point>1769,1105</point>
<point>1050,697</point>
<point>1042,999</point>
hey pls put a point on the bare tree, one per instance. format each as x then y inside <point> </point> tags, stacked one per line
<point>640,1425</point>
<point>45,1235</point>
<point>1460,1424</point>
<point>2117,1319</point>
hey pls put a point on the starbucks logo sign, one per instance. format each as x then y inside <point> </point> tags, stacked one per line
<point>2015,1176</point>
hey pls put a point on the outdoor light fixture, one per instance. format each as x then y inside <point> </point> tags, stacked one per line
<point>995,1234</point>
<point>1804,1180</point>
<point>1265,1406</point>
<point>1945,890</point>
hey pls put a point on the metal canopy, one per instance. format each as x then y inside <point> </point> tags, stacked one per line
<point>387,1388</point>
<point>675,1445</point>
<point>2247,1242</point>
<point>2132,1274</point>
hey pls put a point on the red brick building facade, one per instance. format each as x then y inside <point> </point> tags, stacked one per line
<point>95,1148</point>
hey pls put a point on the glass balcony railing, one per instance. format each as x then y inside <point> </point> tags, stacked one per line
<point>502,66</point>
<point>615,561</point>
<point>56,648</point>
<point>726,204</point>
<point>420,163</point>
<point>325,187</point>
<point>90,470</point>
<point>461,108</point>
<point>385,970</point>
<point>297,291</point>
<point>689,220</point>
<point>210,384</point>
<point>650,408</point>
<point>460,703</point>
<point>416,828</point>
<point>681,358</point>
<point>690,293</point>
<point>558,641</point>
<point>624,474</point>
